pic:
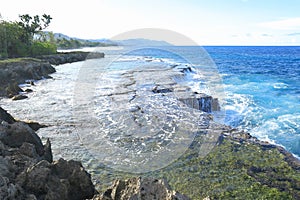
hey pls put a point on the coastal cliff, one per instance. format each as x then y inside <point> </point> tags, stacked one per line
<point>20,70</point>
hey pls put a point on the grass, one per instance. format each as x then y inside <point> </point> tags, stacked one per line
<point>17,60</point>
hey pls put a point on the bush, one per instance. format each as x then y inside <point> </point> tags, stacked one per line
<point>3,55</point>
<point>42,48</point>
<point>20,50</point>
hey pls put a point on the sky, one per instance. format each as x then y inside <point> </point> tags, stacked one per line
<point>207,22</point>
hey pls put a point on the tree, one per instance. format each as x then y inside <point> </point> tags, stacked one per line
<point>33,25</point>
<point>25,37</point>
<point>10,43</point>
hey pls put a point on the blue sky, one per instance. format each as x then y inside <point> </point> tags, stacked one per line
<point>208,22</point>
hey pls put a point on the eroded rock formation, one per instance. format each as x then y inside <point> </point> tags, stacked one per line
<point>140,188</point>
<point>27,170</point>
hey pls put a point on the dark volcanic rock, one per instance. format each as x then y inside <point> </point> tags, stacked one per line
<point>19,97</point>
<point>28,90</point>
<point>60,180</point>
<point>140,188</point>
<point>13,89</point>
<point>27,170</point>
<point>17,71</point>
<point>48,151</point>
<point>35,125</point>
<point>4,116</point>
<point>14,135</point>
<point>159,89</point>
<point>69,57</point>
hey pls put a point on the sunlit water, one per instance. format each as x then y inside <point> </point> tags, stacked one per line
<point>263,91</point>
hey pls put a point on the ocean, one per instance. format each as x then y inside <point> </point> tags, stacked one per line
<point>257,87</point>
<point>260,85</point>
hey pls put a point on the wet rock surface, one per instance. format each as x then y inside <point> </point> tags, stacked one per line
<point>19,97</point>
<point>145,118</point>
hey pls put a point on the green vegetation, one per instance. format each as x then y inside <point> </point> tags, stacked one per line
<point>25,37</point>
<point>235,170</point>
<point>232,170</point>
<point>21,60</point>
<point>43,48</point>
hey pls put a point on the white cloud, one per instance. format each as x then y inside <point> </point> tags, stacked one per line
<point>285,24</point>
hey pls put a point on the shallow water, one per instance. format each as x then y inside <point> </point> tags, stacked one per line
<point>105,114</point>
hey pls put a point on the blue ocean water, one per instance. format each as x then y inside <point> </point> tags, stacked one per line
<point>261,85</point>
<point>263,91</point>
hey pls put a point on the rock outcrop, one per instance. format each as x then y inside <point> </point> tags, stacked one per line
<point>140,188</point>
<point>17,71</point>
<point>4,116</point>
<point>199,101</point>
<point>27,170</point>
<point>69,57</point>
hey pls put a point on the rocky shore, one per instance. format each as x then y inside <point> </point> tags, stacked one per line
<point>16,71</point>
<point>29,172</point>
<point>220,162</point>
<point>25,70</point>
<point>239,166</point>
<point>69,57</point>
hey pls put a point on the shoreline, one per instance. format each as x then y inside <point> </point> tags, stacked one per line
<point>17,71</point>
<point>232,137</point>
